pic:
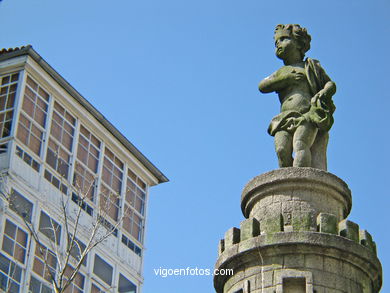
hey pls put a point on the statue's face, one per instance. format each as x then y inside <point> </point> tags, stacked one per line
<point>285,45</point>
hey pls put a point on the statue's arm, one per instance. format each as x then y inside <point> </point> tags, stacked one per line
<point>326,93</point>
<point>329,89</point>
<point>280,80</point>
<point>273,83</point>
<point>267,85</point>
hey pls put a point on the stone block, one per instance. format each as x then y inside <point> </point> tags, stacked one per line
<point>326,279</point>
<point>314,261</point>
<point>365,239</point>
<point>327,223</point>
<point>232,236</point>
<point>249,228</point>
<point>319,289</point>
<point>272,224</point>
<point>355,287</point>
<point>265,279</point>
<point>273,262</point>
<point>332,265</point>
<point>349,230</point>
<point>349,271</point>
<point>221,246</point>
<point>303,221</point>
<point>294,261</point>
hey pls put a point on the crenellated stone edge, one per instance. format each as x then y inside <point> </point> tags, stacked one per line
<point>245,254</point>
<point>326,223</point>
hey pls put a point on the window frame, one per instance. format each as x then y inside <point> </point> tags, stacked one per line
<point>15,242</point>
<point>102,260</point>
<point>12,109</point>
<point>33,124</point>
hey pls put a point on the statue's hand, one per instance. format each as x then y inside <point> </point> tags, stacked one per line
<point>318,97</point>
<point>297,77</point>
<point>294,122</point>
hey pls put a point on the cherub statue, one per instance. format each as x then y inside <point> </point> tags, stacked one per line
<point>305,93</point>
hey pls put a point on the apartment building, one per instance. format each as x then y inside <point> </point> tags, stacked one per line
<point>56,148</point>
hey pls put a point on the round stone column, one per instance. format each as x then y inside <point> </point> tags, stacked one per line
<point>298,194</point>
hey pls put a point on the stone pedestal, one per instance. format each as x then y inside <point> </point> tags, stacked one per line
<point>296,238</point>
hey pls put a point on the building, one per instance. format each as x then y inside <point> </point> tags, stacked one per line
<point>55,145</point>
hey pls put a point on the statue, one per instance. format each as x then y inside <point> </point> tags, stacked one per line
<point>305,93</point>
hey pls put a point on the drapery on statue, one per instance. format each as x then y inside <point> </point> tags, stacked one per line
<point>305,93</point>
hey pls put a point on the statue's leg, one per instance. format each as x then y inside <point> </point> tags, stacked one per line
<point>283,148</point>
<point>302,141</point>
<point>318,150</point>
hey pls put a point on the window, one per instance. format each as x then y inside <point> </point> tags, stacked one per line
<point>45,263</point>
<point>86,167</point>
<point>10,275</point>
<point>77,249</point>
<point>29,134</point>
<point>130,244</point>
<point>112,171</point>
<point>32,119</point>
<point>8,87</point>
<point>109,203</point>
<point>88,149</point>
<point>103,270</point>
<point>96,289</point>
<point>132,223</point>
<point>55,182</point>
<point>61,140</point>
<point>84,181</point>
<point>15,241</point>
<point>134,206</point>
<point>77,285</point>
<point>37,286</point>
<point>50,228</point>
<point>125,286</point>
<point>292,285</point>
<point>111,185</point>
<point>20,205</point>
<point>135,194</point>
<point>82,203</point>
<point>27,159</point>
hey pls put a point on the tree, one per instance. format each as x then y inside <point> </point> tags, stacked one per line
<point>64,262</point>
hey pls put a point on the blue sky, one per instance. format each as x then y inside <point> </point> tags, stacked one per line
<point>179,79</point>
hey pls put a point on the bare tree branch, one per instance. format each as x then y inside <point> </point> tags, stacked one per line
<point>70,257</point>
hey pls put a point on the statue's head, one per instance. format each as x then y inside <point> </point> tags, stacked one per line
<point>297,34</point>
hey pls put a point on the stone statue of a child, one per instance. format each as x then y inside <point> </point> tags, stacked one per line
<point>305,93</point>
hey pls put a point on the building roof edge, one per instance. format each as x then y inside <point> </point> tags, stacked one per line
<point>28,50</point>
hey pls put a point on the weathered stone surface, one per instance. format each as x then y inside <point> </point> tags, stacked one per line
<point>221,246</point>
<point>232,236</point>
<point>333,260</point>
<point>313,261</point>
<point>305,93</point>
<point>249,228</point>
<point>295,190</point>
<point>365,239</point>
<point>349,230</point>
<point>303,221</point>
<point>327,223</point>
<point>272,224</point>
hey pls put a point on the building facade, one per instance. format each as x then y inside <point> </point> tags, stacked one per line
<point>55,146</point>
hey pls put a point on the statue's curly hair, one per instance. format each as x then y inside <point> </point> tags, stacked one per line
<point>299,34</point>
